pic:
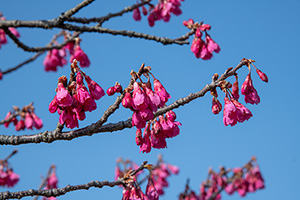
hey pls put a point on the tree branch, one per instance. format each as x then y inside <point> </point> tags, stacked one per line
<point>69,188</point>
<point>51,136</point>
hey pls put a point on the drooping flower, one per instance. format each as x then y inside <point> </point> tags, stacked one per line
<point>38,123</point>
<point>137,14</point>
<point>63,98</point>
<point>151,192</point>
<point>12,178</point>
<point>251,95</point>
<point>216,106</point>
<point>29,123</point>
<point>80,56</point>
<point>161,92</point>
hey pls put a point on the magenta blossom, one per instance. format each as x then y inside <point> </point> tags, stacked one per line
<point>63,98</point>
<point>137,14</point>
<point>80,56</point>
<point>251,95</point>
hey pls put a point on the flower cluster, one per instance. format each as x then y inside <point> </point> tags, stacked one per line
<point>28,118</point>
<point>143,101</point>
<point>202,49</point>
<point>73,100</point>
<point>51,182</point>
<point>3,39</point>
<point>157,179</point>
<point>57,57</point>
<point>161,11</point>
<point>234,111</point>
<point>7,176</point>
<point>241,180</point>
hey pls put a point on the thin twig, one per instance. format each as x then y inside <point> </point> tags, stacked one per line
<point>66,15</point>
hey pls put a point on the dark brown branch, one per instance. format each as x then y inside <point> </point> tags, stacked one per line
<point>49,24</point>
<point>51,136</point>
<point>69,188</point>
<point>100,20</point>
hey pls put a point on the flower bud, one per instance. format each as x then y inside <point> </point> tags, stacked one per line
<point>262,75</point>
<point>110,91</point>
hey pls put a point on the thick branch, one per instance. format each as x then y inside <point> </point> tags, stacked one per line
<point>50,136</point>
<point>69,188</point>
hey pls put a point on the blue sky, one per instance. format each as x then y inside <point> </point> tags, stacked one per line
<point>266,31</point>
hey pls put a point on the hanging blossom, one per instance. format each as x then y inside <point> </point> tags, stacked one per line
<point>144,101</point>
<point>202,49</point>
<point>73,100</point>
<point>3,39</point>
<point>57,57</point>
<point>241,180</point>
<point>7,176</point>
<point>234,111</point>
<point>52,181</point>
<point>28,118</point>
<point>161,11</point>
<point>248,90</point>
<point>157,179</point>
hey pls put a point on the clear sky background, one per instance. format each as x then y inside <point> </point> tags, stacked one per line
<point>266,31</point>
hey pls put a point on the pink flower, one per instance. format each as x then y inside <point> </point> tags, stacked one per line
<point>137,14</point>
<point>96,90</point>
<point>139,99</point>
<point>69,117</point>
<point>63,98</point>
<point>117,88</point>
<point>138,137</point>
<point>229,113</point>
<point>1,75</point>
<point>242,112</point>
<point>38,123</point>
<point>127,100</point>
<point>53,59</point>
<point>53,105</point>
<point>152,96</point>
<point>137,120</point>
<point>52,180</point>
<point>12,178</point>
<point>20,125</point>
<point>161,92</point>
<point>262,75</point>
<point>235,112</point>
<point>145,12</point>
<point>216,106</point>
<point>251,95</point>
<point>151,192</point>
<point>80,56</point>
<point>29,123</point>
<point>212,45</point>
